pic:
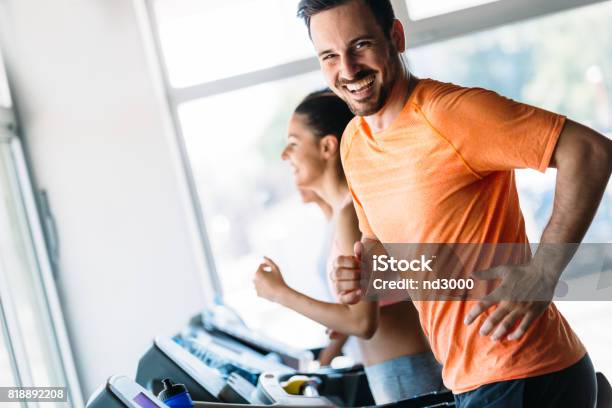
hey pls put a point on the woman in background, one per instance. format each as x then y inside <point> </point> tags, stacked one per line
<point>396,355</point>
<point>337,342</point>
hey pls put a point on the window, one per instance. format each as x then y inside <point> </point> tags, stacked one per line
<point>7,366</point>
<point>420,9</point>
<point>30,311</point>
<point>536,62</point>
<point>204,40</point>
<point>428,22</point>
<point>233,136</point>
<point>252,209</point>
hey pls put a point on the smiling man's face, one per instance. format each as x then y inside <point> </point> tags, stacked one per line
<point>359,62</point>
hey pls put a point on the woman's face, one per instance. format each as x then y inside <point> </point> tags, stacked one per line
<point>303,152</point>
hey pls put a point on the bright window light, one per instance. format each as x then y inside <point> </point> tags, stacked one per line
<point>234,140</point>
<point>252,208</point>
<point>20,272</point>
<point>6,367</point>
<point>420,9</point>
<point>207,40</point>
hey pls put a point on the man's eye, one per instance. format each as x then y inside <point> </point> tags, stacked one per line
<point>328,57</point>
<point>362,44</point>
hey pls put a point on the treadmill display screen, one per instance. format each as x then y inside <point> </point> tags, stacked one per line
<point>144,401</point>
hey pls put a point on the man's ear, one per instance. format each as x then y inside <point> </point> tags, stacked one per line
<point>398,36</point>
<point>329,146</point>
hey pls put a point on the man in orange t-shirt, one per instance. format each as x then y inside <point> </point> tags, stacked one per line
<point>430,162</point>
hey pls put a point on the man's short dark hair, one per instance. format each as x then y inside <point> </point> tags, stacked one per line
<point>382,10</point>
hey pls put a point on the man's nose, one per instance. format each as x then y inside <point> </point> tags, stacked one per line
<point>284,154</point>
<point>348,67</point>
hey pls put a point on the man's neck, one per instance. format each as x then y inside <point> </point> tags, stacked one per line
<point>396,101</point>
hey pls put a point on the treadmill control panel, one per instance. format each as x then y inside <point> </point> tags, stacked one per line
<point>121,392</point>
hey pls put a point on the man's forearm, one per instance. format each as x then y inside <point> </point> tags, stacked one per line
<point>584,162</point>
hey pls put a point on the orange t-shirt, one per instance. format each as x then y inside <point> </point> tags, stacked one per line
<point>443,173</point>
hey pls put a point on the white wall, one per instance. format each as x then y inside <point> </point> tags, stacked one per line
<point>97,130</point>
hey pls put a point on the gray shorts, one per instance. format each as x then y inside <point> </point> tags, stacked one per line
<point>404,377</point>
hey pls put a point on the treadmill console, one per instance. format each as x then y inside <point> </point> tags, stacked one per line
<point>221,362</point>
<point>222,320</point>
<point>121,392</point>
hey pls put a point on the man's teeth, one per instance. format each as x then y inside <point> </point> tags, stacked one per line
<point>360,85</point>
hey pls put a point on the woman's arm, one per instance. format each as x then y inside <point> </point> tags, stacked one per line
<point>333,349</point>
<point>359,320</point>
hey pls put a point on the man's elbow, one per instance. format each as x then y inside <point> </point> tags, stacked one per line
<point>600,155</point>
<point>582,148</point>
<point>608,154</point>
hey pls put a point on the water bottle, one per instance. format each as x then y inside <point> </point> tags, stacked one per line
<point>175,395</point>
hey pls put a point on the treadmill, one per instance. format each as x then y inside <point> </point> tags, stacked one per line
<point>220,360</point>
<point>122,392</point>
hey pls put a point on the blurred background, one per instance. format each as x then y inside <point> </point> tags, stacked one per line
<point>141,174</point>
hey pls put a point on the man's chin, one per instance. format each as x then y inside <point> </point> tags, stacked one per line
<point>364,109</point>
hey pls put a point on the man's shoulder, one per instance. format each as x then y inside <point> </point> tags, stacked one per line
<point>440,100</point>
<point>348,135</point>
<point>351,128</point>
<point>431,92</point>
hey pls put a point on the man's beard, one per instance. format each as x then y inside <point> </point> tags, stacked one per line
<point>370,108</point>
<point>367,108</point>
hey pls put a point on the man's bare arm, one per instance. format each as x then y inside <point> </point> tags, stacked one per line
<point>583,159</point>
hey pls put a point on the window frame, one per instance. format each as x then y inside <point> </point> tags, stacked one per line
<point>44,279</point>
<point>7,119</point>
<point>477,18</point>
<point>11,331</point>
<point>418,33</point>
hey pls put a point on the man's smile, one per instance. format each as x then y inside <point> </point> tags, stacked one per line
<point>362,88</point>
